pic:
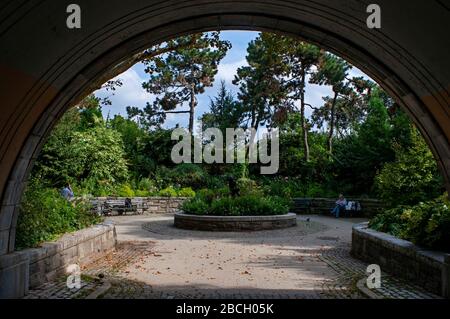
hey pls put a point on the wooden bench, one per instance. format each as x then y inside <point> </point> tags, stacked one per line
<point>325,205</point>
<point>107,209</point>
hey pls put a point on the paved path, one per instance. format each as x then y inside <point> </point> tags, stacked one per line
<point>156,260</point>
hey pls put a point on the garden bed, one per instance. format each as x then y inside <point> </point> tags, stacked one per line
<point>234,223</point>
<point>428,269</point>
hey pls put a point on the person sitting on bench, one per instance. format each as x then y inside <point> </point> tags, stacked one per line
<point>340,205</point>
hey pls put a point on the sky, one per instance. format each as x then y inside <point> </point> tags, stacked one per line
<point>131,92</point>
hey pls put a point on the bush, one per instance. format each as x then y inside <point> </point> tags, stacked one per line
<point>247,186</point>
<point>247,205</point>
<point>141,193</point>
<point>186,192</point>
<point>45,215</point>
<point>125,190</point>
<point>426,224</point>
<point>168,192</point>
<point>413,177</point>
<point>146,184</point>
<point>195,206</point>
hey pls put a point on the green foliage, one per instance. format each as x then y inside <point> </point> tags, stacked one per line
<point>426,224</point>
<point>181,74</point>
<point>186,192</point>
<point>224,111</point>
<point>247,186</point>
<point>168,192</point>
<point>248,205</point>
<point>78,152</point>
<point>412,177</point>
<point>45,215</point>
<point>195,206</point>
<point>125,190</point>
<point>146,184</point>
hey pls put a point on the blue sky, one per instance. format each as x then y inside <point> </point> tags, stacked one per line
<point>132,94</point>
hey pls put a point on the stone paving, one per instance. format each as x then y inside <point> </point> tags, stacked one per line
<point>154,260</point>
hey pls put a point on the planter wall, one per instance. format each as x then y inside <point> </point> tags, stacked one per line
<point>428,269</point>
<point>45,263</point>
<point>145,205</point>
<point>234,223</point>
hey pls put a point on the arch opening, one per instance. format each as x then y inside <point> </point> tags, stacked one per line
<point>414,84</point>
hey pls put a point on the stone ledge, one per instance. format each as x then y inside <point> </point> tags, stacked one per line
<point>80,247</point>
<point>234,223</point>
<point>429,269</point>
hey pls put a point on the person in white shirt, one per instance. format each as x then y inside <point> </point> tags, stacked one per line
<point>340,205</point>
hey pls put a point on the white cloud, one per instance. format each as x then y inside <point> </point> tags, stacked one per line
<point>130,93</point>
<point>227,71</point>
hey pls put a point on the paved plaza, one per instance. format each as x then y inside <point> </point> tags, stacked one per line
<point>156,260</point>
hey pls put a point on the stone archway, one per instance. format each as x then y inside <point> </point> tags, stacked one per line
<point>45,66</point>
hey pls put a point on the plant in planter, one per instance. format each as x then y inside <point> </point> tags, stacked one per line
<point>426,224</point>
<point>246,205</point>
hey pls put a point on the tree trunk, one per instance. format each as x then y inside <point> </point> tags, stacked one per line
<point>332,124</point>
<point>302,117</point>
<point>192,105</point>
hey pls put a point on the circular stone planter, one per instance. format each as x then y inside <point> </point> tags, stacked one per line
<point>234,223</point>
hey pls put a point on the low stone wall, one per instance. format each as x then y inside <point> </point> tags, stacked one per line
<point>234,223</point>
<point>369,207</point>
<point>428,269</point>
<point>145,205</point>
<point>81,247</point>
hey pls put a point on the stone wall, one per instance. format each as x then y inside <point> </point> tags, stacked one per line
<point>369,207</point>
<point>234,223</point>
<point>145,205</point>
<point>50,260</point>
<point>401,258</point>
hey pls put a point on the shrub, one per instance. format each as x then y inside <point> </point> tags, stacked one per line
<point>125,190</point>
<point>206,195</point>
<point>146,184</point>
<point>186,192</point>
<point>168,192</point>
<point>195,206</point>
<point>426,224</point>
<point>141,193</point>
<point>247,205</point>
<point>413,177</point>
<point>247,186</point>
<point>45,215</point>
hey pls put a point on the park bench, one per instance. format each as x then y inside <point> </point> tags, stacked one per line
<point>325,205</point>
<point>120,208</point>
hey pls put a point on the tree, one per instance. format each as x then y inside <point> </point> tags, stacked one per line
<point>275,80</point>
<point>134,140</point>
<point>301,58</point>
<point>224,111</point>
<point>81,147</point>
<point>261,84</point>
<point>107,81</point>
<point>178,76</point>
<point>332,71</point>
<point>358,156</point>
<point>412,177</point>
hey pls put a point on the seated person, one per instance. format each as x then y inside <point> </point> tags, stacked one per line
<point>67,192</point>
<point>340,205</point>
